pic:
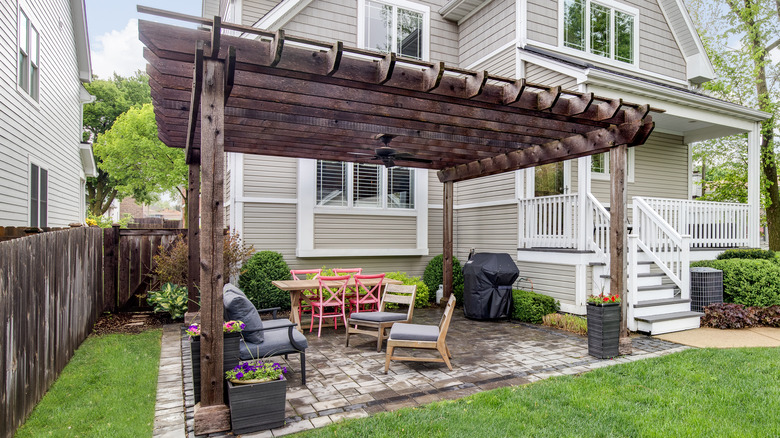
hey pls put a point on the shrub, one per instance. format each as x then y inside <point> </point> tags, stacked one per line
<point>747,254</point>
<point>171,298</point>
<point>566,321</point>
<point>421,299</point>
<point>735,316</point>
<point>748,282</point>
<point>434,276</point>
<point>258,273</point>
<point>531,307</point>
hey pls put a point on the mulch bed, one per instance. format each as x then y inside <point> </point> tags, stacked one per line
<point>131,322</point>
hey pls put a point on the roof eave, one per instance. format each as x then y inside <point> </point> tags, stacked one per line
<point>78,14</point>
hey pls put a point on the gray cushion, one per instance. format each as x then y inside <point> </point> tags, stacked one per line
<point>239,308</point>
<point>271,323</point>
<point>414,332</point>
<point>378,316</point>
<point>276,342</point>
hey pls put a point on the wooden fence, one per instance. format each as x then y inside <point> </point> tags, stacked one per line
<point>51,294</point>
<point>10,233</point>
<point>155,222</point>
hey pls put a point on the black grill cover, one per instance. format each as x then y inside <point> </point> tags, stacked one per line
<point>487,288</point>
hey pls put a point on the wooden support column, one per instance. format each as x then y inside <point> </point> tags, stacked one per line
<point>447,244</point>
<point>618,238</point>
<point>212,415</point>
<point>193,240</point>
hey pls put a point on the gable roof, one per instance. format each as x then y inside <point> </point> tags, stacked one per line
<point>699,67</point>
<point>78,14</point>
<point>281,14</point>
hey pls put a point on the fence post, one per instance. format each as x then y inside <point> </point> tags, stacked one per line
<point>110,266</point>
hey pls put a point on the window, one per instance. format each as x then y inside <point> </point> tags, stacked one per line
<point>39,187</point>
<point>27,68</point>
<point>599,165</point>
<point>594,27</point>
<point>401,28</point>
<point>364,185</point>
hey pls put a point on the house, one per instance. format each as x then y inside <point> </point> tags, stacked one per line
<point>553,219</point>
<point>44,163</point>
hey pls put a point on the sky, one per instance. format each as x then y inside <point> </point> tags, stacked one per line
<point>113,32</point>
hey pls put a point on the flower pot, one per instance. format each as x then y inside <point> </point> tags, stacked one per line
<point>257,406</point>
<point>230,359</point>
<point>603,330</point>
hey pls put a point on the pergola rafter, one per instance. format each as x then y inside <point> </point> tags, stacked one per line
<point>294,97</point>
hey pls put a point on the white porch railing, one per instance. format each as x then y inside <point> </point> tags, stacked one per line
<point>710,224</point>
<point>549,221</point>
<point>600,225</point>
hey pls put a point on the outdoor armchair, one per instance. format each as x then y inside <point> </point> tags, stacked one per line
<point>377,323</point>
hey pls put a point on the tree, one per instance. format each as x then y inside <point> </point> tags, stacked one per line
<point>112,98</point>
<point>138,163</point>
<point>746,76</point>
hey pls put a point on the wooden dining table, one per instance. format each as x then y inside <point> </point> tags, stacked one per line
<point>296,288</point>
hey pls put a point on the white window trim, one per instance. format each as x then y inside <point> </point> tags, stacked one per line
<point>405,4</point>
<point>604,176</point>
<point>306,209</point>
<point>592,56</point>
<point>30,162</point>
<point>24,8</point>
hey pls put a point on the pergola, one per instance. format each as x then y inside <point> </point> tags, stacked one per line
<point>279,95</point>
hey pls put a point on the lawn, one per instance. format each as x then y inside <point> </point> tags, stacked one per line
<point>701,393</point>
<point>108,389</point>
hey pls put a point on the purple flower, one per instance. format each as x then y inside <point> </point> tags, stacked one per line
<point>239,375</point>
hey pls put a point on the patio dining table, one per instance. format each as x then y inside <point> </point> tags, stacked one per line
<point>296,288</point>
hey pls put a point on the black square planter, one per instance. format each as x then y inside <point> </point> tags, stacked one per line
<point>230,359</point>
<point>603,330</point>
<point>257,406</point>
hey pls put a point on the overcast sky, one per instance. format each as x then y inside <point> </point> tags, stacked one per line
<point>113,32</point>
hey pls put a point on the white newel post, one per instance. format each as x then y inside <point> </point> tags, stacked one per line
<point>584,223</point>
<point>754,182</point>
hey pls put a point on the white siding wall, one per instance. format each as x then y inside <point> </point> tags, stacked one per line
<point>487,30</point>
<point>47,132</point>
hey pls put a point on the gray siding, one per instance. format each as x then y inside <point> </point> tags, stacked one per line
<point>549,279</point>
<point>271,227</point>
<point>487,30</point>
<point>680,27</point>
<point>336,231</point>
<point>488,229</point>
<point>47,132</point>
<point>660,170</point>
<point>543,21</point>
<point>545,76</point>
<point>658,50</point>
<point>435,189</point>
<point>210,8</point>
<point>503,64</point>
<point>486,189</point>
<point>253,10</point>
<point>270,177</point>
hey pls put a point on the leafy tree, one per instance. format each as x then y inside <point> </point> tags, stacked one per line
<point>138,163</point>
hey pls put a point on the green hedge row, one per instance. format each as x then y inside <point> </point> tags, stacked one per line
<point>531,306</point>
<point>750,282</point>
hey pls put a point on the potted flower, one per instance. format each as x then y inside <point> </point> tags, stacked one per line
<point>603,325</point>
<point>230,349</point>
<point>256,394</point>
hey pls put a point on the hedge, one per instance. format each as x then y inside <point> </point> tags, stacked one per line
<point>532,307</point>
<point>434,275</point>
<point>747,254</point>
<point>256,277</point>
<point>748,282</point>
<point>421,298</point>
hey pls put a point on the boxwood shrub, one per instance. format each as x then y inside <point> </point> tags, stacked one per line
<point>748,282</point>
<point>256,277</point>
<point>532,307</point>
<point>421,298</point>
<point>747,254</point>
<point>434,275</point>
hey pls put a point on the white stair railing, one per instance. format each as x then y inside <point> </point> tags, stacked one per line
<point>599,222</point>
<point>710,224</point>
<point>549,221</point>
<point>662,244</point>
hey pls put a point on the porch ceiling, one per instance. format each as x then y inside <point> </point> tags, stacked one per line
<point>301,98</point>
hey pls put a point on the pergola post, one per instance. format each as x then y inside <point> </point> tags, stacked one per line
<point>447,243</point>
<point>618,238</point>
<point>193,238</point>
<point>212,415</point>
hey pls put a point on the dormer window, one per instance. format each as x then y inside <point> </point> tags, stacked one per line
<point>604,28</point>
<point>394,26</point>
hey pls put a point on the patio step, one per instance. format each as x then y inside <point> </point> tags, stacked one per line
<point>670,322</point>
<point>649,308</point>
<point>657,292</point>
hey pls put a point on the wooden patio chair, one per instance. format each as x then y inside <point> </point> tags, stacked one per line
<point>377,323</point>
<point>422,336</point>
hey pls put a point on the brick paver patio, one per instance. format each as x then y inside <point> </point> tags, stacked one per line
<point>349,382</point>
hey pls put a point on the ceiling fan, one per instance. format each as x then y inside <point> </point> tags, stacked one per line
<point>388,156</point>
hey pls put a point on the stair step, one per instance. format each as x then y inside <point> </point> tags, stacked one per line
<point>649,274</point>
<point>653,303</point>
<point>660,287</point>
<point>668,316</point>
<point>604,264</point>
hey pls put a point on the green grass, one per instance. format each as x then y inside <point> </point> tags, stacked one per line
<point>108,389</point>
<point>701,393</point>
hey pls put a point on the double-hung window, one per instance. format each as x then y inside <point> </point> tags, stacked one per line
<point>602,28</point>
<point>599,165</point>
<point>39,188</point>
<point>397,26</point>
<point>341,184</point>
<point>27,63</point>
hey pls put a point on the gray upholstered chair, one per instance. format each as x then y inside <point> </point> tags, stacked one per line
<point>261,339</point>
<point>377,323</point>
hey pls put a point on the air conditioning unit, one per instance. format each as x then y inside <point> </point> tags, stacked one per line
<point>706,288</point>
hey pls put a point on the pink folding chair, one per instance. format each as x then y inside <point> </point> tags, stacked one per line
<point>330,301</point>
<point>367,298</point>
<point>309,295</point>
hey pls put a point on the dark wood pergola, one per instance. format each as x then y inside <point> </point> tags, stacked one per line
<point>294,97</point>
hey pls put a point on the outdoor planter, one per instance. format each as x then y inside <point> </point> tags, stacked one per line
<point>256,406</point>
<point>603,329</point>
<point>229,357</point>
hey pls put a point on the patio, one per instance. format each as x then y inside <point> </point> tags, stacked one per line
<point>348,382</point>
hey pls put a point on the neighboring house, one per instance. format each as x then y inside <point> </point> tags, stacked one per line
<point>46,59</point>
<point>552,219</point>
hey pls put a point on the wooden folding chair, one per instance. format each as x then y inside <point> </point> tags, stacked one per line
<point>377,323</point>
<point>422,336</point>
